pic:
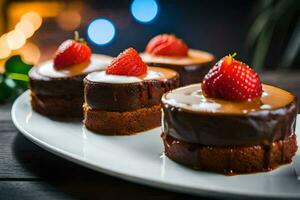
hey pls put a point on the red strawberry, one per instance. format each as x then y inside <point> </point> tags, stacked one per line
<point>71,52</point>
<point>128,63</point>
<point>232,80</point>
<point>167,45</point>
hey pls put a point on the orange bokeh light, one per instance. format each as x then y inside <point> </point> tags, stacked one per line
<point>30,53</point>
<point>69,20</point>
<point>26,27</point>
<point>34,18</point>
<point>5,50</point>
<point>16,39</point>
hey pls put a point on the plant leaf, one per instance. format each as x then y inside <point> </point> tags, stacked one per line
<point>292,48</point>
<point>262,47</point>
<point>15,64</point>
<point>17,70</point>
<point>7,88</point>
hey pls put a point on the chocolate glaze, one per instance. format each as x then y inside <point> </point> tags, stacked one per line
<point>129,96</point>
<point>191,69</point>
<point>262,121</point>
<point>188,74</point>
<point>67,82</point>
<point>64,86</point>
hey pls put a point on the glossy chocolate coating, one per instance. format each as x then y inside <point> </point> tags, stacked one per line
<point>44,79</point>
<point>189,74</point>
<point>268,119</point>
<point>128,96</point>
<point>191,69</point>
<point>64,86</point>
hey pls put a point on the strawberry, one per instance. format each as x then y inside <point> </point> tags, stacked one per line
<point>128,63</point>
<point>167,45</point>
<point>232,80</point>
<point>71,52</point>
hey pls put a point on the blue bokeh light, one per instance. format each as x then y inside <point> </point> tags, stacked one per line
<point>144,11</point>
<point>101,31</point>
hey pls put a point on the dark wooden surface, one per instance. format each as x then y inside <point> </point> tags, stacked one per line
<point>29,172</point>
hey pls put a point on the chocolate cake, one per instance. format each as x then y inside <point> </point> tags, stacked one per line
<point>124,105</point>
<point>59,93</point>
<point>226,136</point>
<point>191,68</point>
<point>168,51</point>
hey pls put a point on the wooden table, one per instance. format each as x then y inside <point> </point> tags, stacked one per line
<point>29,172</point>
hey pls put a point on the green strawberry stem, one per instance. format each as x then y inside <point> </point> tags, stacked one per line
<point>77,38</point>
<point>230,57</point>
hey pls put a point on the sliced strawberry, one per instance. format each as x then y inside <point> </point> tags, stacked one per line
<point>232,80</point>
<point>167,45</point>
<point>128,63</point>
<point>71,52</point>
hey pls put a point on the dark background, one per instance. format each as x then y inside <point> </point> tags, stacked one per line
<point>220,27</point>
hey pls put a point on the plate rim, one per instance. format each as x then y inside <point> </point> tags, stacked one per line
<point>132,178</point>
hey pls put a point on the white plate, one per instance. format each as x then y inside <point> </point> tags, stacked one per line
<point>139,159</point>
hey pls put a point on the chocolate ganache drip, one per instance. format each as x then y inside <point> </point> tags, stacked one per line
<point>190,116</point>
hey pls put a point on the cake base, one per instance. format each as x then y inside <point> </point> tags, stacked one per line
<point>122,123</point>
<point>231,160</point>
<point>57,106</point>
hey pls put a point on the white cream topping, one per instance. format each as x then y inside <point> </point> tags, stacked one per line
<point>98,62</point>
<point>117,79</point>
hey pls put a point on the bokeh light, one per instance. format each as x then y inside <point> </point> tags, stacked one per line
<point>15,39</point>
<point>144,11</point>
<point>34,18</point>
<point>5,50</point>
<point>30,53</point>
<point>101,31</point>
<point>69,20</point>
<point>26,28</point>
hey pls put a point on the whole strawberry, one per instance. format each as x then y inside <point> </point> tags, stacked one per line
<point>71,52</point>
<point>167,45</point>
<point>128,63</point>
<point>232,80</point>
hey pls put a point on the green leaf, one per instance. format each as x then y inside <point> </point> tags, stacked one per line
<point>19,77</point>
<point>15,64</point>
<point>292,49</point>
<point>257,27</point>
<point>7,88</point>
<point>273,15</point>
<point>17,70</point>
<point>262,47</point>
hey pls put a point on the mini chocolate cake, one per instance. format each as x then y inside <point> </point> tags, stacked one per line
<point>191,69</point>
<point>124,105</point>
<point>59,93</point>
<point>225,136</point>
<point>167,51</point>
